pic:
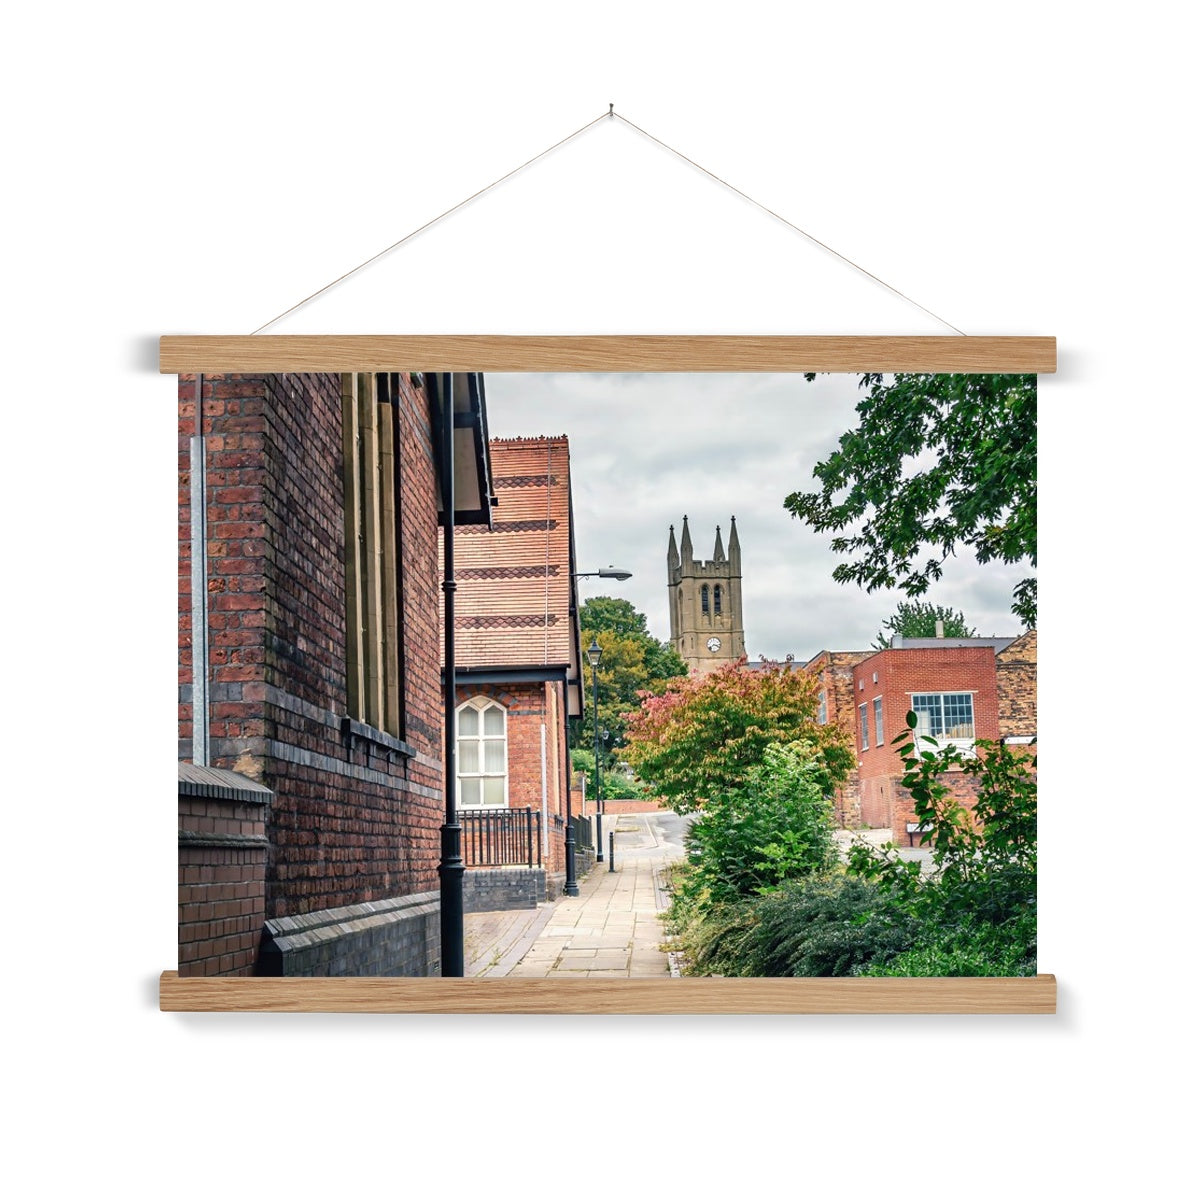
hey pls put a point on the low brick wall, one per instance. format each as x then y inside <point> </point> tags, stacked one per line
<point>222,870</point>
<point>500,888</point>
<point>613,808</point>
<point>400,936</point>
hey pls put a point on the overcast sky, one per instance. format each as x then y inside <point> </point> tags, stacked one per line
<point>648,448</point>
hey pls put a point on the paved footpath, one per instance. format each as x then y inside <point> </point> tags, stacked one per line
<point>611,928</point>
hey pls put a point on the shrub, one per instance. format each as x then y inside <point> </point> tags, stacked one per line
<point>617,785</point>
<point>831,925</point>
<point>823,925</point>
<point>973,949</point>
<point>976,914</point>
<point>778,825</point>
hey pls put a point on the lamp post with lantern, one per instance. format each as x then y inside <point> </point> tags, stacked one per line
<point>594,652</point>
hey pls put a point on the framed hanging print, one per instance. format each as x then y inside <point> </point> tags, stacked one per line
<point>400,754</point>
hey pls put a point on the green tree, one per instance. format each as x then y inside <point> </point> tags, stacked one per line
<point>632,661</point>
<point>918,618</point>
<point>936,462</point>
<point>976,913</point>
<point>704,735</point>
<point>776,826</point>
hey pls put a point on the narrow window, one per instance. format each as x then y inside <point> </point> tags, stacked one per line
<point>879,720</point>
<point>704,600</point>
<point>717,599</point>
<point>374,660</point>
<point>822,710</point>
<point>862,722</point>
<point>482,754</point>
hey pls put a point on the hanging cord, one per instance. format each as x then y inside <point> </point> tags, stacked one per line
<point>772,213</point>
<point>563,142</point>
<point>440,216</point>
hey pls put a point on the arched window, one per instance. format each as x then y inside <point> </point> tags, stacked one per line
<point>482,754</point>
<point>704,600</point>
<point>717,599</point>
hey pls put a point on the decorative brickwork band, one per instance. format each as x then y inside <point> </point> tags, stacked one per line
<point>536,572</point>
<point>523,481</point>
<point>516,621</point>
<point>510,527</point>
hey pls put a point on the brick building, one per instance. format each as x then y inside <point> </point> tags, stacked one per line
<point>518,664</point>
<point>962,689</point>
<point>310,714</point>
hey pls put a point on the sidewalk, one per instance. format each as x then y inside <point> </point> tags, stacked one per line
<point>610,929</point>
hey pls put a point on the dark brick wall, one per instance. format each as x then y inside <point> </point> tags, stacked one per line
<point>495,890</point>
<point>396,937</point>
<point>353,821</point>
<point>222,891</point>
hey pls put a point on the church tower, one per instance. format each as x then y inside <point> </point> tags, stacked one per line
<point>705,601</point>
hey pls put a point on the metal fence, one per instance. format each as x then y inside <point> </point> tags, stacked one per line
<point>501,837</point>
<point>584,839</point>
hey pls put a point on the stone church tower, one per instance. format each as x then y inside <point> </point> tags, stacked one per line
<point>705,600</point>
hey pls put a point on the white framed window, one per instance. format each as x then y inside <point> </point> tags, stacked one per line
<point>878,703</point>
<point>482,754</point>
<point>823,709</point>
<point>862,722</point>
<point>945,716</point>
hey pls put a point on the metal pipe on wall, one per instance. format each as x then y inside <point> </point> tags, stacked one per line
<point>198,510</point>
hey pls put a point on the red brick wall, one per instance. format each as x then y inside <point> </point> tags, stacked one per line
<point>528,707</point>
<point>836,672</point>
<point>895,675</point>
<point>348,824</point>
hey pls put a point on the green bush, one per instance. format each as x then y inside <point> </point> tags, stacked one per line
<point>976,913</point>
<point>973,949</point>
<point>776,826</point>
<point>822,925</point>
<point>617,785</point>
<point>831,925</point>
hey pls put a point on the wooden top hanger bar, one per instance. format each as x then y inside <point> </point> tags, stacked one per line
<point>485,352</point>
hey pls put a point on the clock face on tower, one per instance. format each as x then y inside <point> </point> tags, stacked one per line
<point>714,644</point>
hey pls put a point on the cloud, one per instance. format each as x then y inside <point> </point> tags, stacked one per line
<point>648,448</point>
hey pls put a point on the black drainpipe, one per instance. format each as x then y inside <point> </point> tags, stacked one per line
<point>451,868</point>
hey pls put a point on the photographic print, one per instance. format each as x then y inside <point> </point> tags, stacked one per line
<point>743,675</point>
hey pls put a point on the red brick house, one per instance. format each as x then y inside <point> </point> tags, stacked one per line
<point>962,690</point>
<point>310,710</point>
<point>518,665</point>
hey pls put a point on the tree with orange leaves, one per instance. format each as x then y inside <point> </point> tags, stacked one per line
<point>705,733</point>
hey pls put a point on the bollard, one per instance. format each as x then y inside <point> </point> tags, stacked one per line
<point>610,852</point>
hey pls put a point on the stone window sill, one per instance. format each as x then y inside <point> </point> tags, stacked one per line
<point>375,740</point>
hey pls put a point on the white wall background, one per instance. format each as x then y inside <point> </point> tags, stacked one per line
<point>1016,168</point>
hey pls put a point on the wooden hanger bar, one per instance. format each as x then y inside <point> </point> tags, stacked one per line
<point>1032,995</point>
<point>179,353</point>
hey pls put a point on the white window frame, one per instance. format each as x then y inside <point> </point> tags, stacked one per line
<point>480,704</point>
<point>823,708</point>
<point>877,707</point>
<point>965,744</point>
<point>864,728</point>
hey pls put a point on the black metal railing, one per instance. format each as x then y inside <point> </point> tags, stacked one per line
<point>501,837</point>
<point>584,839</point>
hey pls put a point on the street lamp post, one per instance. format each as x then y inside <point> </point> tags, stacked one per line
<point>594,652</point>
<point>571,888</point>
